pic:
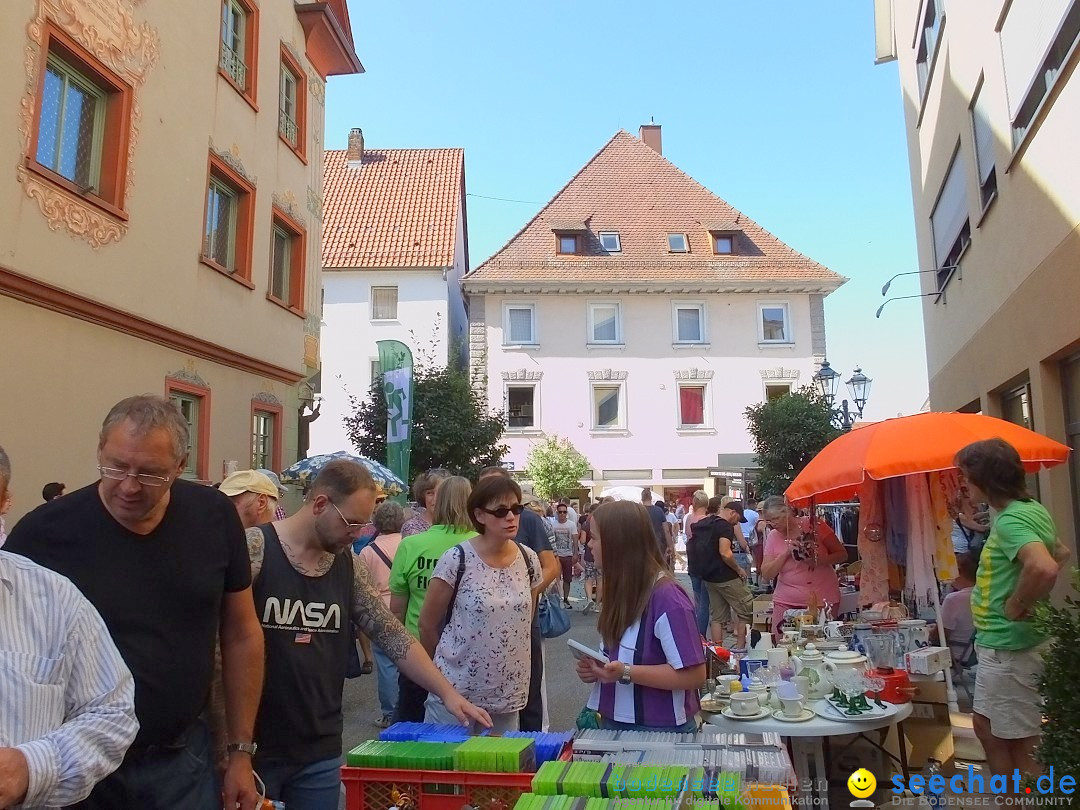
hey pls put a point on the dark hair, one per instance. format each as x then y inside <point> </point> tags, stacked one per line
<point>646,495</point>
<point>51,490</point>
<point>967,566</point>
<point>489,490</point>
<point>496,470</point>
<point>994,466</point>
<point>340,478</point>
<point>427,482</point>
<point>715,503</point>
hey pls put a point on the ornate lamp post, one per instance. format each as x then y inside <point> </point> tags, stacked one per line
<point>828,382</point>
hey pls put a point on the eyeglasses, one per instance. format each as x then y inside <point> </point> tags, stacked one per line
<point>561,511</point>
<point>352,527</point>
<point>503,511</point>
<point>144,479</point>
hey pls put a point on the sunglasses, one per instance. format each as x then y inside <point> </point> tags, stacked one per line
<point>503,511</point>
<point>561,511</point>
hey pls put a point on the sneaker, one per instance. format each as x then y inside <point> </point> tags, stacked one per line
<point>384,721</point>
<point>588,606</point>
<point>566,603</point>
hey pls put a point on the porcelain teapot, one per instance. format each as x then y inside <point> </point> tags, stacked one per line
<point>811,664</point>
<point>845,659</point>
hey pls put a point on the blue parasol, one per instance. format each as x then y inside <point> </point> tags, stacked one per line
<point>304,471</point>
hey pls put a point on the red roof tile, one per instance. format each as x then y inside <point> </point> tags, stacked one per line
<point>398,209</point>
<point>629,188</point>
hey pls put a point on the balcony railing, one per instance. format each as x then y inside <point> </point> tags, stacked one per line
<point>233,65</point>
<point>287,127</point>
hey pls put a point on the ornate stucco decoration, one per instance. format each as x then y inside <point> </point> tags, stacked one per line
<point>607,374</point>
<point>287,202</point>
<point>779,373</point>
<point>108,30</point>
<point>314,203</point>
<point>267,398</point>
<point>231,157</point>
<point>694,374</point>
<point>318,89</point>
<point>189,375</point>
<point>522,375</point>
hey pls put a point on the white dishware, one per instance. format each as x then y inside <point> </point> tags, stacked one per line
<point>802,684</point>
<point>832,630</point>
<point>801,717</point>
<point>810,663</point>
<point>759,691</point>
<point>778,656</point>
<point>758,715</point>
<point>826,709</point>
<point>744,704</point>
<point>844,659</point>
<point>792,708</point>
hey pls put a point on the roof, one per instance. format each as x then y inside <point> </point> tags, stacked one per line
<point>629,188</point>
<point>398,209</point>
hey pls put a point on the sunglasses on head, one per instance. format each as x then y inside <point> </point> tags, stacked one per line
<point>503,511</point>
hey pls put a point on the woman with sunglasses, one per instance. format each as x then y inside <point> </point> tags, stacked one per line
<point>647,628</point>
<point>477,614</point>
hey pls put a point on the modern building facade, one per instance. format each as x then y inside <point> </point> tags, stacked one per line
<point>160,223</point>
<point>638,315</point>
<point>992,110</point>
<point>395,247</point>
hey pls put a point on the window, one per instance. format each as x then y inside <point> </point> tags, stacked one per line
<point>1016,408</point>
<point>723,244</point>
<point>691,406</point>
<point>519,326</point>
<point>689,323</point>
<point>609,241</point>
<point>238,56</point>
<point>265,436</point>
<point>567,243</point>
<point>605,323</point>
<point>608,411</point>
<point>287,263</point>
<point>773,391</point>
<point>384,301</point>
<point>677,243</point>
<point>949,222</point>
<point>193,402</point>
<point>932,21</point>
<point>774,324</point>
<point>984,148</point>
<point>292,104</point>
<point>1035,47</point>
<point>227,227</point>
<point>521,406</point>
<point>81,125</point>
<point>376,370</point>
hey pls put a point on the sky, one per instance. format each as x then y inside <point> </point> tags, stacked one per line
<point>776,106</point>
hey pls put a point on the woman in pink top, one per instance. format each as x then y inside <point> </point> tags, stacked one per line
<point>800,559</point>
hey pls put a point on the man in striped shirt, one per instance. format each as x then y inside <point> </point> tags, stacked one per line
<point>56,743</point>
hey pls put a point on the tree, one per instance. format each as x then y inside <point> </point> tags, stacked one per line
<point>451,426</point>
<point>787,433</point>
<point>555,467</point>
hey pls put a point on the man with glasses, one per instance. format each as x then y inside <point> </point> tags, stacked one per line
<point>307,621</point>
<point>165,563</point>
<point>566,548</point>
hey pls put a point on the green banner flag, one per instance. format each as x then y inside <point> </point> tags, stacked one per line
<point>396,365</point>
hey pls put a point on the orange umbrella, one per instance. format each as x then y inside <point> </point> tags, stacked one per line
<point>907,445</point>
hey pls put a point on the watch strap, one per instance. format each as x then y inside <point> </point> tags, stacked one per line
<point>243,748</point>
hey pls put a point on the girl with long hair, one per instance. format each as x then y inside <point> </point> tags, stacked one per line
<point>647,629</point>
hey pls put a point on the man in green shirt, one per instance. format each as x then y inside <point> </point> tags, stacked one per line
<point>411,572</point>
<point>1019,565</point>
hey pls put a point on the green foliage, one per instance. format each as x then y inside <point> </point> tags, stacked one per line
<point>555,467</point>
<point>788,432</point>
<point>1060,744</point>
<point>451,427</point>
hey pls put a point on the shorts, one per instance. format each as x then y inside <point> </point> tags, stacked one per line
<point>1007,690</point>
<point>591,571</point>
<point>567,564</point>
<point>725,597</point>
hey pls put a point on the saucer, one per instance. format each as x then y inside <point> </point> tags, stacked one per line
<point>805,715</point>
<point>760,714</point>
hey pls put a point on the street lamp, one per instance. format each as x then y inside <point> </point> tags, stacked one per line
<point>828,382</point>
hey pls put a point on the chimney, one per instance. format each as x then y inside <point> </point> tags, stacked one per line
<point>650,136</point>
<point>355,153</point>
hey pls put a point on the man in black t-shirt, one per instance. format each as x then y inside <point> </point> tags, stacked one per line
<point>165,563</point>
<point>710,556</point>
<point>658,519</point>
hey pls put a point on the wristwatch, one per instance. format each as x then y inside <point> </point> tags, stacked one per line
<point>243,748</point>
<point>624,679</point>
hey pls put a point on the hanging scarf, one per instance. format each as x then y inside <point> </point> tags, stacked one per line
<point>874,576</point>
<point>896,519</point>
<point>944,555</point>
<point>921,585</point>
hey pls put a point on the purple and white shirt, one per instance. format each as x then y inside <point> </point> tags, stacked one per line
<point>665,634</point>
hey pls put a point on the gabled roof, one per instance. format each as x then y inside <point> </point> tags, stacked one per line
<point>629,188</point>
<point>398,209</point>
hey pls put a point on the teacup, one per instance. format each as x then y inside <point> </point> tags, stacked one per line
<point>745,704</point>
<point>832,630</point>
<point>802,683</point>
<point>792,707</point>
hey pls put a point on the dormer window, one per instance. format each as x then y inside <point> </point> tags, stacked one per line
<point>723,244</point>
<point>677,243</point>
<point>566,243</point>
<point>609,241</point>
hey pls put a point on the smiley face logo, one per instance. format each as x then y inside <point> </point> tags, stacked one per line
<point>862,783</point>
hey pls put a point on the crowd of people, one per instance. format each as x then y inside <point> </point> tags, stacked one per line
<point>163,640</point>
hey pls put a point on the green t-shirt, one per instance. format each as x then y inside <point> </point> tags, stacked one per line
<point>413,564</point>
<point>1019,523</point>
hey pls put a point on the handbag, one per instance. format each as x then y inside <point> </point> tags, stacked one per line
<point>554,618</point>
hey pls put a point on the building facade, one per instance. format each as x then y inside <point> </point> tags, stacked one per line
<point>991,109</point>
<point>638,315</point>
<point>395,247</point>
<point>160,223</point>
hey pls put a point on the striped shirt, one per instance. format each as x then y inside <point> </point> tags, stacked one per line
<point>665,634</point>
<point>68,700</point>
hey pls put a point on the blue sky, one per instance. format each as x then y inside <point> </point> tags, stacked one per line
<point>777,107</point>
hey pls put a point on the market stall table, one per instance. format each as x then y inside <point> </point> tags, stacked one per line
<point>807,741</point>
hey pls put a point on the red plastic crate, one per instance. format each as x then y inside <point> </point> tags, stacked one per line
<point>381,788</point>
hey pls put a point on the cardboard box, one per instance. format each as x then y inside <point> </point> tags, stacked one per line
<point>762,612</point>
<point>928,735</point>
<point>928,660</point>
